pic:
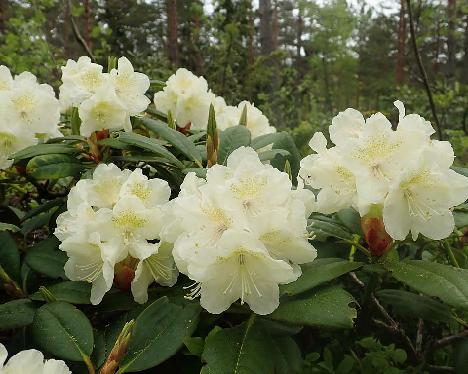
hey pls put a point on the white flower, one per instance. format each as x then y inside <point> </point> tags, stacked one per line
<point>187,97</point>
<point>249,184</point>
<point>421,198</point>
<point>31,105</point>
<point>284,233</point>
<point>346,125</point>
<point>103,111</point>
<point>6,80</point>
<point>13,138</point>
<point>239,267</point>
<point>30,361</point>
<point>92,260</point>
<point>229,116</point>
<point>151,192</point>
<point>326,171</point>
<point>81,79</point>
<point>257,122</point>
<point>130,87</point>
<point>232,231</point>
<point>133,224</point>
<point>377,156</point>
<point>158,267</point>
<point>114,219</point>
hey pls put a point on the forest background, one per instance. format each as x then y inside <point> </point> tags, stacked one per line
<point>300,62</point>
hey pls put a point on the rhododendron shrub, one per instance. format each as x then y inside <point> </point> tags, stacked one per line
<point>146,230</point>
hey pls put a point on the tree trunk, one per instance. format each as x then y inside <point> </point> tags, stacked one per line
<point>198,58</point>
<point>400,58</point>
<point>3,15</point>
<point>275,28</point>
<point>465,50</point>
<point>250,37</point>
<point>266,32</point>
<point>172,45</point>
<point>87,23</point>
<point>452,18</point>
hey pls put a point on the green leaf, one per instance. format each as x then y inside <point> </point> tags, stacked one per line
<point>54,166</point>
<point>461,218</point>
<point>460,170</point>
<point>231,139</point>
<point>264,140</point>
<point>408,304</point>
<point>43,208</point>
<point>325,227</point>
<point>328,307</point>
<point>16,313</point>
<point>286,142</point>
<point>317,272</point>
<point>113,143</point>
<point>9,255</point>
<point>44,149</point>
<point>178,140</point>
<point>271,154</point>
<point>8,227</point>
<point>287,355</point>
<point>243,117</point>
<point>448,283</point>
<point>63,331</point>
<point>45,258</point>
<point>245,348</point>
<point>159,332</point>
<point>68,291</point>
<point>149,144</point>
<point>351,219</point>
<point>195,345</point>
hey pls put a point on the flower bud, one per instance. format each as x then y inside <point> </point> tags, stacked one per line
<point>373,228</point>
<point>124,272</point>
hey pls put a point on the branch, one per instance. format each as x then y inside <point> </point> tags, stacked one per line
<point>78,35</point>
<point>447,340</point>
<point>423,71</point>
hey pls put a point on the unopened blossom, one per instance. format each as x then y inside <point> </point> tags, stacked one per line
<point>30,361</point>
<point>113,221</point>
<point>240,232</point>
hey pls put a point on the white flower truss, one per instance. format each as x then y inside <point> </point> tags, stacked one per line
<point>29,111</point>
<point>188,98</point>
<point>240,233</point>
<point>403,171</point>
<point>30,361</point>
<point>104,100</point>
<point>115,218</point>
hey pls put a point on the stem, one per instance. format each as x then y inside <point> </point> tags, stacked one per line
<point>423,71</point>
<point>451,256</point>
<point>89,364</point>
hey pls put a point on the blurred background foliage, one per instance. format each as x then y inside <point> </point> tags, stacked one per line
<point>300,61</point>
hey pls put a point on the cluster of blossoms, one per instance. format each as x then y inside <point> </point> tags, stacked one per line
<point>188,99</point>
<point>30,362</point>
<point>240,232</point>
<point>113,220</point>
<point>104,100</point>
<point>29,111</point>
<point>400,174</point>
